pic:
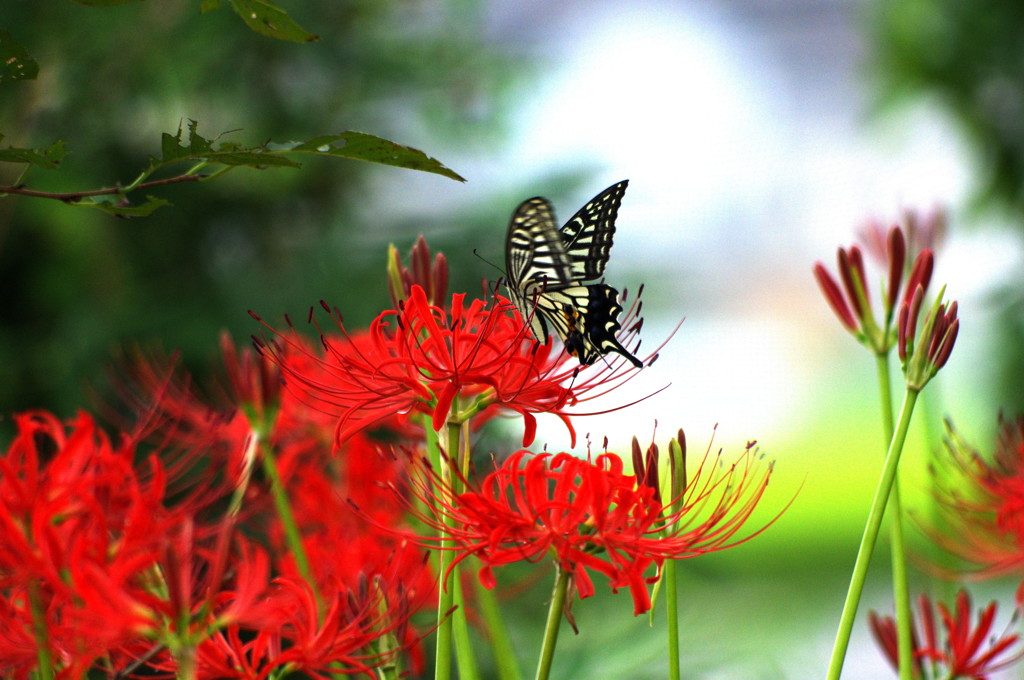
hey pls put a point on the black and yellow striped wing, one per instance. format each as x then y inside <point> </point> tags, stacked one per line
<point>548,269</point>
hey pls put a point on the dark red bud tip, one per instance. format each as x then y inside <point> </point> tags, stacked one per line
<point>901,331</point>
<point>947,344</point>
<point>421,261</point>
<point>834,297</point>
<point>846,273</point>
<point>951,314</point>
<point>440,279</point>
<point>897,262</point>
<point>638,459</point>
<point>255,316</point>
<point>857,260</point>
<point>920,273</point>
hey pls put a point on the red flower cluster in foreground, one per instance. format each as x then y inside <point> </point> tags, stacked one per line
<point>590,515</point>
<point>108,568</point>
<point>449,364</point>
<point>982,502</point>
<point>961,650</point>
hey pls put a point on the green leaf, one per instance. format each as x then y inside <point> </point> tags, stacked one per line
<point>208,6</point>
<point>15,61</point>
<point>353,145</point>
<point>48,158</point>
<point>366,147</point>
<point>199,148</point>
<point>270,20</point>
<point>123,208</point>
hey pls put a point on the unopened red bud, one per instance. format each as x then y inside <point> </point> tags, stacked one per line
<point>947,344</point>
<point>440,278</point>
<point>901,331</point>
<point>897,262</point>
<point>420,259</point>
<point>834,296</point>
<point>847,273</point>
<point>920,273</point>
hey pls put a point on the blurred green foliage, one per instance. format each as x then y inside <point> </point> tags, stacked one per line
<point>968,57</point>
<point>78,285</point>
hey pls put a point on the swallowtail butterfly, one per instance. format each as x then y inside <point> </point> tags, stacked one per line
<point>548,269</point>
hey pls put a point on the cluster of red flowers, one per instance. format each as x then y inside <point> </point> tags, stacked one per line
<point>165,551</point>
<point>589,515</point>
<point>981,501</point>
<point>118,554</point>
<point>963,650</point>
<point>450,364</point>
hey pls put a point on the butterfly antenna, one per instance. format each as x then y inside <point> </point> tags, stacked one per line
<point>484,259</point>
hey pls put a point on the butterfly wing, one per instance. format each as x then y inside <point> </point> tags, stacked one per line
<point>587,236</point>
<point>535,259</point>
<point>587,320</point>
<point>547,269</point>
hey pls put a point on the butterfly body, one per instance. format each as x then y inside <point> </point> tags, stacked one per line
<point>549,269</point>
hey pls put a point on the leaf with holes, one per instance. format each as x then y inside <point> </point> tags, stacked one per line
<point>48,158</point>
<point>198,148</point>
<point>122,208</point>
<point>366,147</point>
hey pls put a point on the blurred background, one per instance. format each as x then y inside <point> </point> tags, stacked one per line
<point>757,135</point>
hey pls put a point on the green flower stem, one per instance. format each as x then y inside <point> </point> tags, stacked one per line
<point>446,598</point>
<point>497,632</point>
<point>547,651</point>
<point>900,582</point>
<point>186,658</point>
<point>672,613</point>
<point>867,543</point>
<point>464,656</point>
<point>41,632</point>
<point>284,513</point>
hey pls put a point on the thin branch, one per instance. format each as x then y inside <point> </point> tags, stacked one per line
<point>75,196</point>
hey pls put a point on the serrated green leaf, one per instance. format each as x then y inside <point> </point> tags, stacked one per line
<point>48,158</point>
<point>105,3</point>
<point>366,147</point>
<point>124,209</point>
<point>270,20</point>
<point>15,61</point>
<point>198,148</point>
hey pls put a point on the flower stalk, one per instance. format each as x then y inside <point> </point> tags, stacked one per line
<point>292,535</point>
<point>868,540</point>
<point>554,620</point>
<point>40,631</point>
<point>446,597</point>
<point>900,581</point>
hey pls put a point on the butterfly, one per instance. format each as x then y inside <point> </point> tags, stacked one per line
<point>548,268</point>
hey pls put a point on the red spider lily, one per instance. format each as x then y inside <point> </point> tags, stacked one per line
<point>852,302</point>
<point>590,515</point>
<point>96,544</point>
<point>358,631</point>
<point>982,502</point>
<point>965,650</point>
<point>77,524</point>
<point>421,358</point>
<point>323,508</point>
